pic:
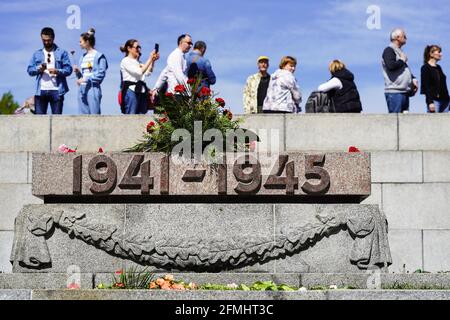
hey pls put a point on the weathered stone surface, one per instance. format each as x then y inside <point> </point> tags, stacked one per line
<point>436,250</point>
<point>89,133</point>
<point>417,206</point>
<point>341,174</point>
<point>6,241</point>
<point>240,295</point>
<point>396,166</point>
<point>406,250</point>
<point>25,133</point>
<point>424,132</point>
<point>12,198</point>
<point>337,132</point>
<point>436,166</point>
<point>13,167</point>
<point>388,295</point>
<point>199,237</point>
<point>174,295</point>
<point>44,281</point>
<point>311,280</point>
<point>61,248</point>
<point>15,294</point>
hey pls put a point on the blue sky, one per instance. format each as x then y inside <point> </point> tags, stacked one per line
<point>236,32</point>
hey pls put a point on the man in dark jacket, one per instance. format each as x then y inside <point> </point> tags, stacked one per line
<point>400,83</point>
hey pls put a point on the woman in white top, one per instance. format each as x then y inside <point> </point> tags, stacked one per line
<point>283,94</point>
<point>90,74</point>
<point>134,91</point>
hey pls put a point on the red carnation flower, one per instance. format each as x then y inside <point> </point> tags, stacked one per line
<point>100,150</point>
<point>169,94</point>
<point>353,149</point>
<point>221,102</point>
<point>180,88</point>
<point>192,81</point>
<point>151,126</point>
<point>205,92</point>
<point>163,120</point>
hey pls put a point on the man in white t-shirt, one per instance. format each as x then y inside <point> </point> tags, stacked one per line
<point>50,65</point>
<point>175,72</point>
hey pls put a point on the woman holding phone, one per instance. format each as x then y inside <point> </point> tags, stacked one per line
<point>134,91</point>
<point>90,74</point>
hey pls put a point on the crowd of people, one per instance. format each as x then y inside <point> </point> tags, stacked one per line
<point>263,92</point>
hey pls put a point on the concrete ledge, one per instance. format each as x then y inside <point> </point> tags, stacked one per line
<point>25,133</point>
<point>230,295</point>
<point>89,133</point>
<point>270,130</point>
<point>47,281</point>
<point>337,132</point>
<point>15,294</point>
<point>424,132</point>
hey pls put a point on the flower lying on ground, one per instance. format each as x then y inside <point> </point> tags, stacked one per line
<point>168,283</point>
<point>65,149</point>
<point>353,149</point>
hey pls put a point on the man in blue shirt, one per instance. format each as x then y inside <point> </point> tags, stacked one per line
<point>198,65</point>
<point>50,65</point>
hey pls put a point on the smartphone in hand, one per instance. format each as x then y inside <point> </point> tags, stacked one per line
<point>156,47</point>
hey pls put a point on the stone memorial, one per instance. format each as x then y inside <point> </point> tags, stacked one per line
<point>287,213</point>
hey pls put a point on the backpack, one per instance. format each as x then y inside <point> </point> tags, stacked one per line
<point>319,102</point>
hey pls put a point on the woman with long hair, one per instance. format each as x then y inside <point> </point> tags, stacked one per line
<point>434,81</point>
<point>90,73</point>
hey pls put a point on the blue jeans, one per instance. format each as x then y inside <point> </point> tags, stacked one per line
<point>48,96</point>
<point>441,106</point>
<point>89,99</point>
<point>397,102</point>
<point>135,104</point>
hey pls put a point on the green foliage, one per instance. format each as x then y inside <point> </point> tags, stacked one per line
<point>132,279</point>
<point>7,104</point>
<point>257,286</point>
<point>408,286</point>
<point>181,111</point>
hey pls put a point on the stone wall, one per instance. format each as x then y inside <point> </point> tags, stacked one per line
<point>410,167</point>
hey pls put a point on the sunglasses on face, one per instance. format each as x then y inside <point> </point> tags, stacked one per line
<point>138,47</point>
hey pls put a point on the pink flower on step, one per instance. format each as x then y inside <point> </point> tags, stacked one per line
<point>65,149</point>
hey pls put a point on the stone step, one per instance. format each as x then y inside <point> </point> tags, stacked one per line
<point>224,295</point>
<point>55,281</point>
